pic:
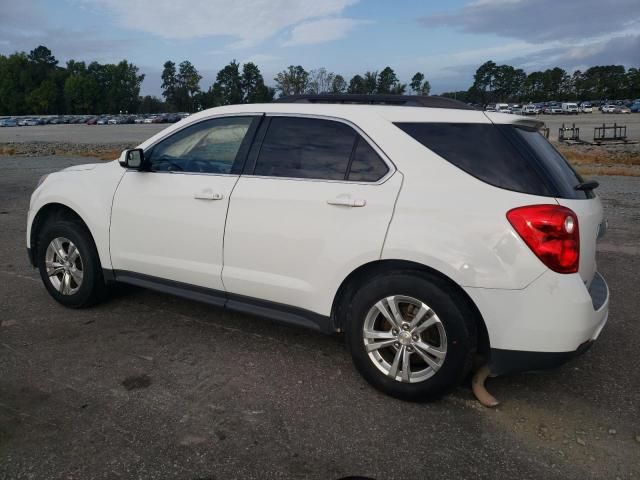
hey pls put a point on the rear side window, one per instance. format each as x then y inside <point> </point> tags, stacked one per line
<point>297,147</point>
<point>367,166</point>
<point>505,156</point>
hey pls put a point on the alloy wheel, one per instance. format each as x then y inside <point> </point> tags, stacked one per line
<point>64,266</point>
<point>404,339</point>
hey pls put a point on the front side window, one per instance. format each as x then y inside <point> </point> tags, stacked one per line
<point>207,147</point>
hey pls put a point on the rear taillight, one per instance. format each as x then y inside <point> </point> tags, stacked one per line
<point>551,232</point>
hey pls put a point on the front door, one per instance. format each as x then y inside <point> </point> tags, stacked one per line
<point>168,221</point>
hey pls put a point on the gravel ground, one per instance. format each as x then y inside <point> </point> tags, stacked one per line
<point>135,134</point>
<point>149,386</point>
<point>81,134</point>
<point>587,122</point>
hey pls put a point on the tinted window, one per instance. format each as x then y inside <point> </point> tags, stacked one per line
<point>209,147</point>
<point>366,166</point>
<point>563,176</point>
<point>305,148</point>
<point>483,151</point>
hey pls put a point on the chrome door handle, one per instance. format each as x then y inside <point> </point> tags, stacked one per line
<point>347,202</point>
<point>208,195</point>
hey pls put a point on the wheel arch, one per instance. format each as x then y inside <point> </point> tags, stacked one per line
<point>53,211</point>
<point>350,284</point>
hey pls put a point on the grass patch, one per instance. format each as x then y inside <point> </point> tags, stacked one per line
<point>99,154</point>
<point>601,156</point>
<point>621,170</point>
<point>7,151</point>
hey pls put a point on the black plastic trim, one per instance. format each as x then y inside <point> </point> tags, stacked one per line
<point>240,303</point>
<point>256,144</point>
<point>108,275</point>
<point>32,260</point>
<point>504,362</point>
<point>243,152</point>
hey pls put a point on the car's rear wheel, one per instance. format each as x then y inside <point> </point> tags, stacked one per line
<point>69,265</point>
<point>411,335</point>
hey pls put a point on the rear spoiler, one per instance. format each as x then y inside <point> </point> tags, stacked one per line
<point>508,119</point>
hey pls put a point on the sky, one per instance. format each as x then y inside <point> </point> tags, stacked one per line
<point>446,40</point>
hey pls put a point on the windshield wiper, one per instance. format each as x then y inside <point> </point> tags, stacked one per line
<point>584,186</point>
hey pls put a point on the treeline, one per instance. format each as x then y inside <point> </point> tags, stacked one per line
<point>504,83</point>
<point>245,84</point>
<point>35,83</point>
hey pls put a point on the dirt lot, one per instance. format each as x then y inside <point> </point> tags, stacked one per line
<point>82,134</point>
<point>107,141</point>
<point>587,122</point>
<point>148,386</point>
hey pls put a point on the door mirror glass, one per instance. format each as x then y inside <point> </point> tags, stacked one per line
<point>132,158</point>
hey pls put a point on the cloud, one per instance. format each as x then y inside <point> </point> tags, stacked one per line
<point>246,22</point>
<point>541,20</point>
<point>24,25</point>
<point>322,31</point>
<point>542,33</point>
<point>261,58</point>
<point>618,50</point>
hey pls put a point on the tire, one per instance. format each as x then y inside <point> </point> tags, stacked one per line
<point>86,285</point>
<point>449,328</point>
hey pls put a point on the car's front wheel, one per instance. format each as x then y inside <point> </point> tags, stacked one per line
<point>411,335</point>
<point>69,265</point>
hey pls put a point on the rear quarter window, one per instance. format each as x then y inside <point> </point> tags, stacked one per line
<point>505,156</point>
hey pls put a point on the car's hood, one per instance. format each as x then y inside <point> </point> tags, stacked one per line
<point>78,168</point>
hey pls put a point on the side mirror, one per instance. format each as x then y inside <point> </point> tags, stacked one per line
<point>132,158</point>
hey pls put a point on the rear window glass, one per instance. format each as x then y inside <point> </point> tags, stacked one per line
<point>366,166</point>
<point>505,156</point>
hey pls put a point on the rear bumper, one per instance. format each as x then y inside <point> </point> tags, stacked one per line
<point>544,325</point>
<point>504,362</point>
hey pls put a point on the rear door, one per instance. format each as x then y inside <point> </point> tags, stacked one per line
<point>313,204</point>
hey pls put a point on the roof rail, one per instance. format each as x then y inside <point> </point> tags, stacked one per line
<point>398,100</point>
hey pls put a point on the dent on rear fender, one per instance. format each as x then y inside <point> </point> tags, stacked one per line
<point>483,255</point>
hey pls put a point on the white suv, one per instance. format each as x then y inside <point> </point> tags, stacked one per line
<point>428,232</point>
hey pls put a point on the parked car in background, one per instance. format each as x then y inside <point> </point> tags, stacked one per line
<point>502,108</point>
<point>570,108</point>
<point>609,108</point>
<point>586,107</point>
<point>515,110</point>
<point>554,109</point>
<point>426,233</point>
<point>8,122</point>
<point>623,109</point>
<point>530,109</point>
<point>635,106</point>
<point>101,121</point>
